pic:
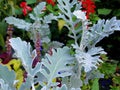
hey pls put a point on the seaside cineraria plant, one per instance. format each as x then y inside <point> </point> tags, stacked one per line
<point>61,67</point>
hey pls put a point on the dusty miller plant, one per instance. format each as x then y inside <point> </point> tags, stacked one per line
<point>61,64</point>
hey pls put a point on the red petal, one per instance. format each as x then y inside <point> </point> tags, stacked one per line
<point>50,2</point>
<point>24,12</point>
<point>28,8</point>
<point>23,4</point>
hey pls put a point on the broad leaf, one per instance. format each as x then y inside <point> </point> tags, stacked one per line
<point>26,85</point>
<point>31,1</point>
<point>89,59</point>
<point>104,11</point>
<point>23,51</point>
<point>7,77</point>
<point>56,64</point>
<point>63,87</point>
<point>38,10</point>
<point>93,75</point>
<point>19,23</point>
<point>3,85</point>
<point>72,82</point>
<point>95,85</point>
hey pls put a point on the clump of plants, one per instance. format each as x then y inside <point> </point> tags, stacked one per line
<point>46,64</point>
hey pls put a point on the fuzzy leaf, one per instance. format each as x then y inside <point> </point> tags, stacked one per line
<point>55,44</point>
<point>75,82</point>
<point>23,51</point>
<point>63,87</point>
<point>49,18</point>
<point>89,59</point>
<point>72,83</point>
<point>65,6</point>
<point>40,79</point>
<point>93,75</point>
<point>3,85</point>
<point>44,33</point>
<point>56,64</point>
<point>19,23</point>
<point>102,29</point>
<point>26,85</point>
<point>7,77</point>
<point>38,11</point>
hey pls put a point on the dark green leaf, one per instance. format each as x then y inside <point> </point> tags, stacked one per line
<point>31,1</point>
<point>108,68</point>
<point>104,11</point>
<point>116,79</point>
<point>2,43</point>
<point>3,26</point>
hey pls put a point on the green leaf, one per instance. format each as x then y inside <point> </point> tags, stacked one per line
<point>1,1</point>
<point>18,10</point>
<point>3,27</point>
<point>50,8</point>
<point>31,1</point>
<point>116,12</point>
<point>104,11</point>
<point>116,80</point>
<point>95,85</point>
<point>108,68</point>
<point>115,88</point>
<point>97,1</point>
<point>2,43</point>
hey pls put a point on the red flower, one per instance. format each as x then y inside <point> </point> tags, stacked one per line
<point>51,2</point>
<point>88,7</point>
<point>25,8</point>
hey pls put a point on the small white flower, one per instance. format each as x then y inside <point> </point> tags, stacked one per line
<point>80,15</point>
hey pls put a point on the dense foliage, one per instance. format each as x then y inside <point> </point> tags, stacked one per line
<point>58,45</point>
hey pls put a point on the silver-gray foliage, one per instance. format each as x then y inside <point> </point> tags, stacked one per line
<point>60,64</point>
<point>7,78</point>
<point>57,65</point>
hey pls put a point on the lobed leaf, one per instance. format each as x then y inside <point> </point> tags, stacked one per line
<point>7,78</point>
<point>19,23</point>
<point>56,64</point>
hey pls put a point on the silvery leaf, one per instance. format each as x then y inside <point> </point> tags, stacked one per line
<point>19,23</point>
<point>56,64</point>
<point>7,78</point>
